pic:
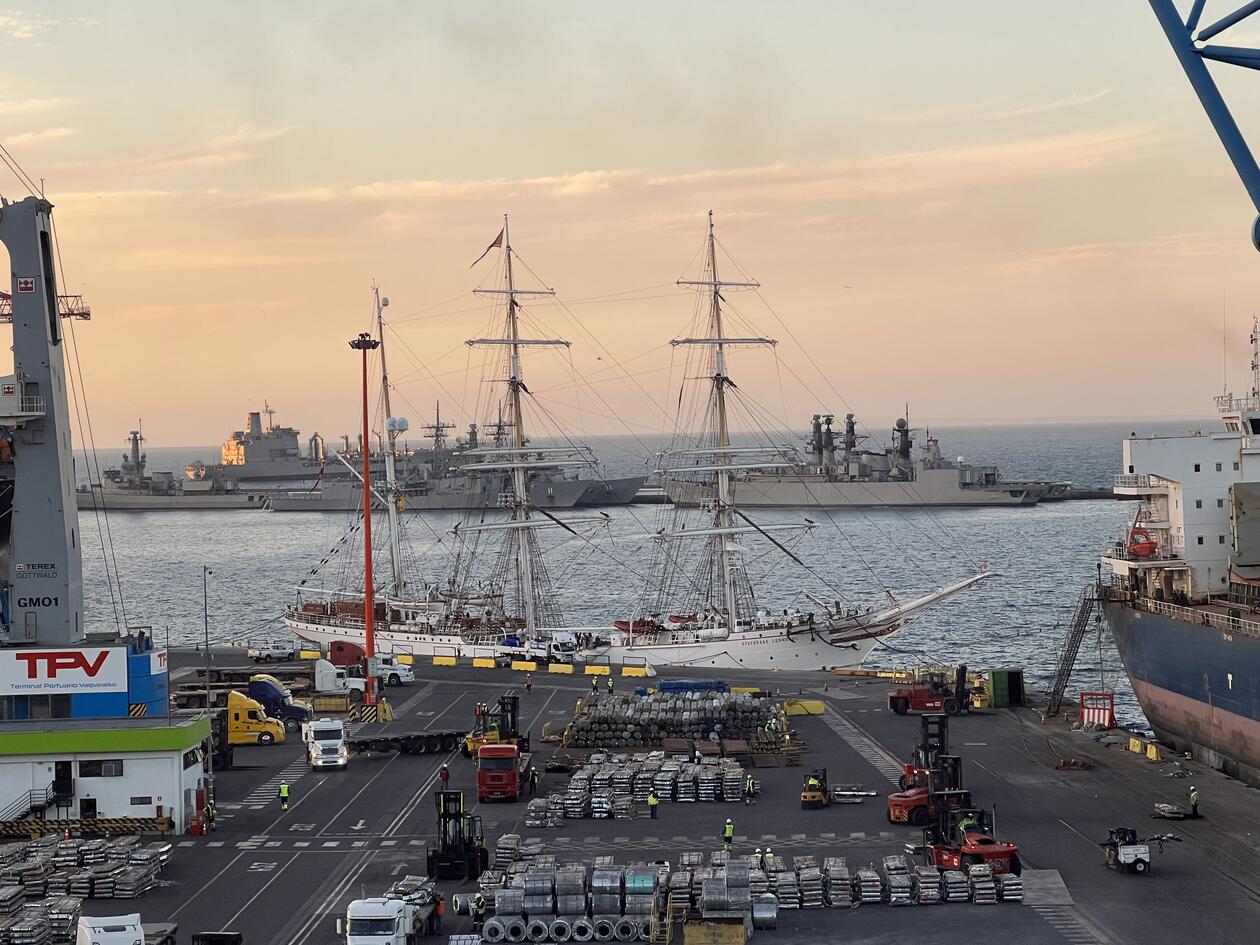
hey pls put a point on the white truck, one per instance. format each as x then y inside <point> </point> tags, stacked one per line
<point>560,647</point>
<point>396,918</point>
<point>333,680</point>
<point>390,669</point>
<point>325,743</point>
<point>123,930</point>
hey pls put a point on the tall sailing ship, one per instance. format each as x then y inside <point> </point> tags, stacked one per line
<point>703,564</point>
<point>499,595</point>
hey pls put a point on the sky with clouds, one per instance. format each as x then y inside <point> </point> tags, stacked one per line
<point>993,211</point>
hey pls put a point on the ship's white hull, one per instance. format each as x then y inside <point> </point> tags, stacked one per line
<point>769,649</point>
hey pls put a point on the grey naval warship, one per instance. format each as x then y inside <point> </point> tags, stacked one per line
<point>841,475</point>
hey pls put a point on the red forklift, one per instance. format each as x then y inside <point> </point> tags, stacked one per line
<point>935,692</point>
<point>933,779</point>
<point>963,836</point>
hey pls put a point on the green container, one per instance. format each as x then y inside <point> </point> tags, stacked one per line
<point>1006,687</point>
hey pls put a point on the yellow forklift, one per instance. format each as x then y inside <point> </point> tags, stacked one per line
<point>497,725</point>
<point>815,791</point>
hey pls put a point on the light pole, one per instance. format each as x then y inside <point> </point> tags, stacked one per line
<point>365,343</point>
<point>205,611</point>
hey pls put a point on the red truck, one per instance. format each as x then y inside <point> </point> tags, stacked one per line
<point>501,772</point>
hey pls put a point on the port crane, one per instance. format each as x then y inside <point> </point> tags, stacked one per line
<point>69,306</point>
<point>1194,45</point>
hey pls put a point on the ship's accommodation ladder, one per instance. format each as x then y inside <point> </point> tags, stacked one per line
<point>1071,648</point>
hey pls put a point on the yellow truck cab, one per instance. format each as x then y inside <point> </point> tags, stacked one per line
<point>249,724</point>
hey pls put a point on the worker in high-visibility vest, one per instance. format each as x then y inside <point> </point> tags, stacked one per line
<point>757,860</point>
<point>813,783</point>
<point>284,795</point>
<point>653,803</point>
<point>750,787</point>
<point>594,684</point>
<point>610,684</point>
<point>479,911</point>
<point>728,835</point>
<point>1194,801</point>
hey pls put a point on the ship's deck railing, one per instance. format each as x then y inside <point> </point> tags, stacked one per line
<point>1140,481</point>
<point>1116,551</point>
<point>1206,615</point>
<point>1228,403</point>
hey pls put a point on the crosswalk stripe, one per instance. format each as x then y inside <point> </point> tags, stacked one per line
<point>860,742</point>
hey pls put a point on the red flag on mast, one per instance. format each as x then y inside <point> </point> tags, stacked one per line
<point>498,241</point>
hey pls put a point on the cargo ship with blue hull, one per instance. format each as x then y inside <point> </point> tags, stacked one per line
<point>1183,599</point>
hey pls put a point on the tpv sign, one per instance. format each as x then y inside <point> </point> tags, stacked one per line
<point>83,669</point>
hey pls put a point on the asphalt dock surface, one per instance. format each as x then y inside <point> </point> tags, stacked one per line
<point>284,877</point>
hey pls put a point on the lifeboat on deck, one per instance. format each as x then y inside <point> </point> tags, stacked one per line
<point>1141,543</point>
<point>642,625</point>
<point>684,618</point>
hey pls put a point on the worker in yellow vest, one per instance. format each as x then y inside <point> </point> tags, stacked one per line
<point>653,803</point>
<point>728,835</point>
<point>284,795</point>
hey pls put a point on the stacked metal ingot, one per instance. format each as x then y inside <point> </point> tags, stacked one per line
<point>837,884</point>
<point>954,886</point>
<point>927,884</point>
<point>980,878</point>
<point>1010,888</point>
<point>811,885</point>
<point>868,886</point>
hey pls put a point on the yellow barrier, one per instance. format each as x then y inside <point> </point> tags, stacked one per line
<point>445,661</point>
<point>527,665</point>
<point>1136,746</point>
<point>1152,752</point>
<point>484,662</point>
<point>407,659</point>
<point>309,654</point>
<point>561,668</point>
<point>598,669</point>
<point>803,707</point>
<point>634,671</point>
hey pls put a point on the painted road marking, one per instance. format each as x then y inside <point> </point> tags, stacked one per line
<point>864,745</point>
<point>270,790</point>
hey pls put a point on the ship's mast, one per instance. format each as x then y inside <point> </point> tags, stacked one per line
<point>391,484</point>
<point>518,463</point>
<point>722,477</point>
<point>520,495</point>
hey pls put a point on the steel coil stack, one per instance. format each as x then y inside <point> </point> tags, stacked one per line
<point>616,721</point>
<point>539,890</point>
<point>640,890</point>
<point>509,902</point>
<point>765,912</point>
<point>606,892</point>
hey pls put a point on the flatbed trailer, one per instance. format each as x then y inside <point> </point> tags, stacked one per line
<point>287,673</point>
<point>403,739</point>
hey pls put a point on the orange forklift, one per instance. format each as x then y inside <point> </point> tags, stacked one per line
<point>932,780</point>
<point>934,693</point>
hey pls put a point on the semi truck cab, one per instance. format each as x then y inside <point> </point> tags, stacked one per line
<point>326,743</point>
<point>249,724</point>
<point>501,772</point>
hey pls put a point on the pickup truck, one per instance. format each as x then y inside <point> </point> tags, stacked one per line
<point>266,652</point>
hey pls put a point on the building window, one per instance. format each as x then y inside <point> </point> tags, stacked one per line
<point>1235,467</point>
<point>1198,503</point>
<point>1220,503</point>
<point>1196,467</point>
<point>1218,467</point>
<point>1200,539</point>
<point>192,758</point>
<point>1130,469</point>
<point>142,802</point>
<point>1220,539</point>
<point>107,769</point>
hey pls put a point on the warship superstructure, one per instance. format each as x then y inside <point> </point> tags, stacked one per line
<point>129,487</point>
<point>838,474</point>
